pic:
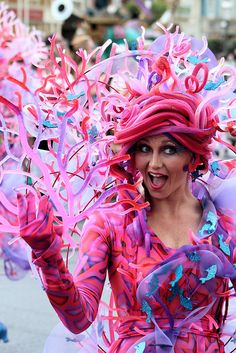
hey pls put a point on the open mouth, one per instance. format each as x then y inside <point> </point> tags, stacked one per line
<point>157,180</point>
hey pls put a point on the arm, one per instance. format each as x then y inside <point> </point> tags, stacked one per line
<point>75,299</point>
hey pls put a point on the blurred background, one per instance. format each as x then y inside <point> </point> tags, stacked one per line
<point>85,23</point>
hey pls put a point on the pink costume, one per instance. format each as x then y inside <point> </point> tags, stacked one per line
<point>165,298</point>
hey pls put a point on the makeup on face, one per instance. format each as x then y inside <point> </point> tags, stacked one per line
<point>162,163</point>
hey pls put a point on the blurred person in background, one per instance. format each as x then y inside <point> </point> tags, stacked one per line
<point>74,30</point>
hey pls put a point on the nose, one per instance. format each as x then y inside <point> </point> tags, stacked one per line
<point>155,161</point>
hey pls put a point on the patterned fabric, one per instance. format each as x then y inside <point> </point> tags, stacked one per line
<point>117,243</point>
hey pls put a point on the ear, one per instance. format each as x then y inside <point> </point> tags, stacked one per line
<point>195,161</point>
<point>191,166</point>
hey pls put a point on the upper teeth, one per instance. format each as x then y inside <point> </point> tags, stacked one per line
<point>156,175</point>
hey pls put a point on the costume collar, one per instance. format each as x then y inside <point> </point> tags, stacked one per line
<point>209,219</point>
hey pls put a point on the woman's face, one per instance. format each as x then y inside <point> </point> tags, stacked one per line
<point>163,164</point>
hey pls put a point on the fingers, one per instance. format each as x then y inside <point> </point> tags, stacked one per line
<point>39,232</point>
<point>45,218</point>
<point>37,227</point>
<point>45,209</point>
<point>31,207</point>
<point>22,210</point>
<point>26,208</point>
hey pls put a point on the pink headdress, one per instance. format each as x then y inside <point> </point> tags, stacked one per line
<point>82,112</point>
<point>177,87</point>
<point>173,113</point>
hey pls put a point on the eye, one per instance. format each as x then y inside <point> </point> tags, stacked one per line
<point>170,149</point>
<point>142,147</point>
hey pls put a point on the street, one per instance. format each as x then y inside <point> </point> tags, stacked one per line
<point>27,313</point>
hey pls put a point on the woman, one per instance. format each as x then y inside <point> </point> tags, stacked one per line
<point>170,261</point>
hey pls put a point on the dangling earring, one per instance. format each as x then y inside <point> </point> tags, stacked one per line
<point>191,166</point>
<point>197,173</point>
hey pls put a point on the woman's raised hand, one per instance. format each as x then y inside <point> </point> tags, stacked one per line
<point>37,227</point>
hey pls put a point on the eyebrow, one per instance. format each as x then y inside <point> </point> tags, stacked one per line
<point>169,141</point>
<point>162,142</point>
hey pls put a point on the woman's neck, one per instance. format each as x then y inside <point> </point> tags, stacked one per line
<point>174,204</point>
<point>172,219</point>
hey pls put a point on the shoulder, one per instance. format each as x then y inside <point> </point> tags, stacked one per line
<point>220,184</point>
